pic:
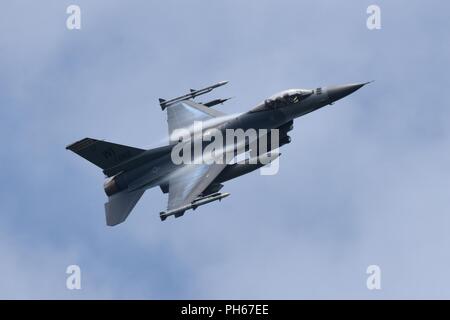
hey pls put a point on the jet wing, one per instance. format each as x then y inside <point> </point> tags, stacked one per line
<point>188,182</point>
<point>183,114</point>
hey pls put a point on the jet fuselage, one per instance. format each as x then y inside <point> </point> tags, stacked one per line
<point>270,114</point>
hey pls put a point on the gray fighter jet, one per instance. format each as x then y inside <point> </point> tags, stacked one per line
<point>130,171</point>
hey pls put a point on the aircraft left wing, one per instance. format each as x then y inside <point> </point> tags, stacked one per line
<point>183,114</point>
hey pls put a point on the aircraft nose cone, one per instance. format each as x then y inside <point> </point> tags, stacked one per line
<point>339,92</point>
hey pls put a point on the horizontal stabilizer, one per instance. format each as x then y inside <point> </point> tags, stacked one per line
<point>103,154</point>
<point>120,205</point>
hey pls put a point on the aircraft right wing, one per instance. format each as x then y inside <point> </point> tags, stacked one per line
<point>188,182</point>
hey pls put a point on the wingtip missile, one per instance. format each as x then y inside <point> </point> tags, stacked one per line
<point>162,103</point>
<point>221,83</point>
<point>193,205</point>
<point>208,89</point>
<point>192,94</point>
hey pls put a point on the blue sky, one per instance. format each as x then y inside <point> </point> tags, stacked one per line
<point>365,181</point>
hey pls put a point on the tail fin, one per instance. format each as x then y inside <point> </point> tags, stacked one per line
<point>103,154</point>
<point>120,205</point>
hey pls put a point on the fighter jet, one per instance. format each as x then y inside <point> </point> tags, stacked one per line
<point>130,171</point>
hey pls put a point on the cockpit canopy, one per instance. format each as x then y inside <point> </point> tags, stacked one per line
<point>283,99</point>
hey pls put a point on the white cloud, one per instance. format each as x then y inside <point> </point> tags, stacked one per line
<point>363,182</point>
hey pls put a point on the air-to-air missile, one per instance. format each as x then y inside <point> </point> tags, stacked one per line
<point>192,94</point>
<point>193,205</point>
<point>215,102</point>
